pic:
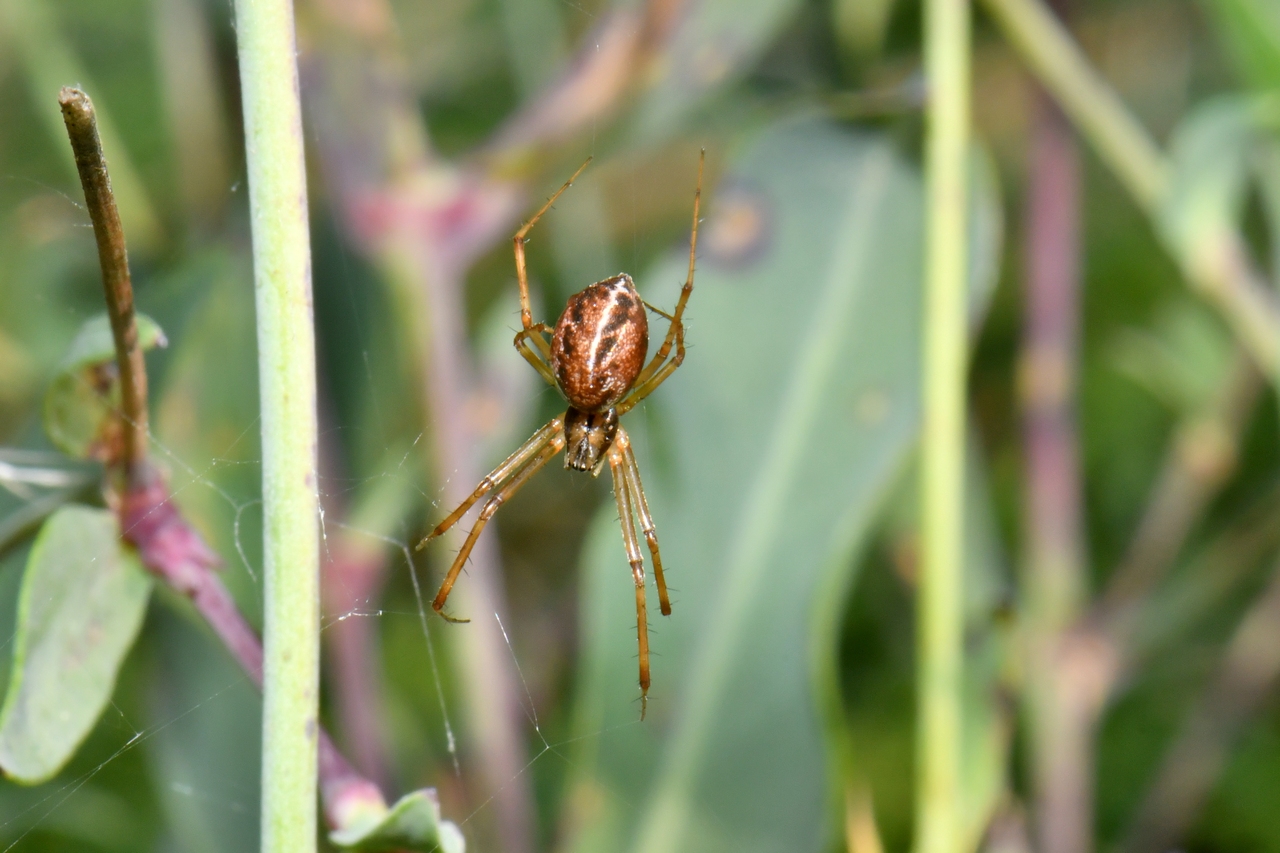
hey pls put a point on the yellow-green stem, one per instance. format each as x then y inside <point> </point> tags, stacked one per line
<point>940,612</point>
<point>1122,143</point>
<point>1219,267</point>
<point>287,375</point>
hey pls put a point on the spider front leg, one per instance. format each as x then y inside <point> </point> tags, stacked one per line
<point>522,274</point>
<point>675,331</point>
<point>643,389</point>
<point>621,492</point>
<point>507,478</point>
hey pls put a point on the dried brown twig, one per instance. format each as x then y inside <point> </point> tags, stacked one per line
<point>82,128</point>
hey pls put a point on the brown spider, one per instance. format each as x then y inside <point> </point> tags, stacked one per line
<point>596,359</point>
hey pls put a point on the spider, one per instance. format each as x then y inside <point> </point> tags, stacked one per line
<point>596,358</point>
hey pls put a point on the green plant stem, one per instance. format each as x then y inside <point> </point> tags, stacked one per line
<point>1095,108</point>
<point>1220,270</point>
<point>82,129</point>
<point>940,612</point>
<point>287,376</point>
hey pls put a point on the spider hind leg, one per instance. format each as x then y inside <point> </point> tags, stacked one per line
<point>641,506</point>
<point>622,493</point>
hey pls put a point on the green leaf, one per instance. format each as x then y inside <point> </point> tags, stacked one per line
<point>83,396</point>
<point>83,597</point>
<point>1183,359</point>
<point>413,823</point>
<point>767,454</point>
<point>94,343</point>
<point>717,41</point>
<point>1215,151</point>
<point>1250,30</point>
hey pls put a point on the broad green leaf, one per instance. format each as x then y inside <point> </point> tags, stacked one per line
<point>83,597</point>
<point>201,704</point>
<point>766,454</point>
<point>413,823</point>
<point>83,396</point>
<point>716,42</point>
<point>987,723</point>
<point>1183,360</point>
<point>1250,30</point>
<point>1214,152</point>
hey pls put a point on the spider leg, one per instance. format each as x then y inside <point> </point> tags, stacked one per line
<point>509,488</point>
<point>644,389</point>
<point>541,358</point>
<point>641,505</point>
<point>655,309</point>
<point>522,274</point>
<point>618,465</point>
<point>677,328</point>
<point>499,475</point>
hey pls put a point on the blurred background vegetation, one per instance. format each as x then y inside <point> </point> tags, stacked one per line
<point>1122,614</point>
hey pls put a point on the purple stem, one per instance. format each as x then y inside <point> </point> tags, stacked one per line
<point>353,577</point>
<point>167,545</point>
<point>1062,702</point>
<point>176,554</point>
<point>491,676</point>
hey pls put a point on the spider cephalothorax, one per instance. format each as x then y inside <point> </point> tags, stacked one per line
<point>596,358</point>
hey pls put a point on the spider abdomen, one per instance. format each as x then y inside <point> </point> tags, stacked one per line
<point>600,343</point>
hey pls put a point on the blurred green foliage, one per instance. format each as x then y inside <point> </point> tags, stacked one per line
<point>774,459</point>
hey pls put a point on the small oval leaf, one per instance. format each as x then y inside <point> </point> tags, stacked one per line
<point>94,343</point>
<point>81,398</point>
<point>1212,151</point>
<point>82,600</point>
<point>413,823</point>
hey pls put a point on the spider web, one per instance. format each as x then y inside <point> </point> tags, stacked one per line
<point>38,814</point>
<point>197,480</point>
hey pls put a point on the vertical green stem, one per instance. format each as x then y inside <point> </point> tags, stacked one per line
<point>287,374</point>
<point>940,617</point>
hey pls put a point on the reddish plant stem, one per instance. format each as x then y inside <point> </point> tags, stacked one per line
<point>1245,678</point>
<point>424,223</point>
<point>1200,459</point>
<point>82,129</point>
<point>1062,707</point>
<point>176,554</point>
<point>612,62</point>
<point>352,577</point>
<point>492,677</point>
<point>167,545</point>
